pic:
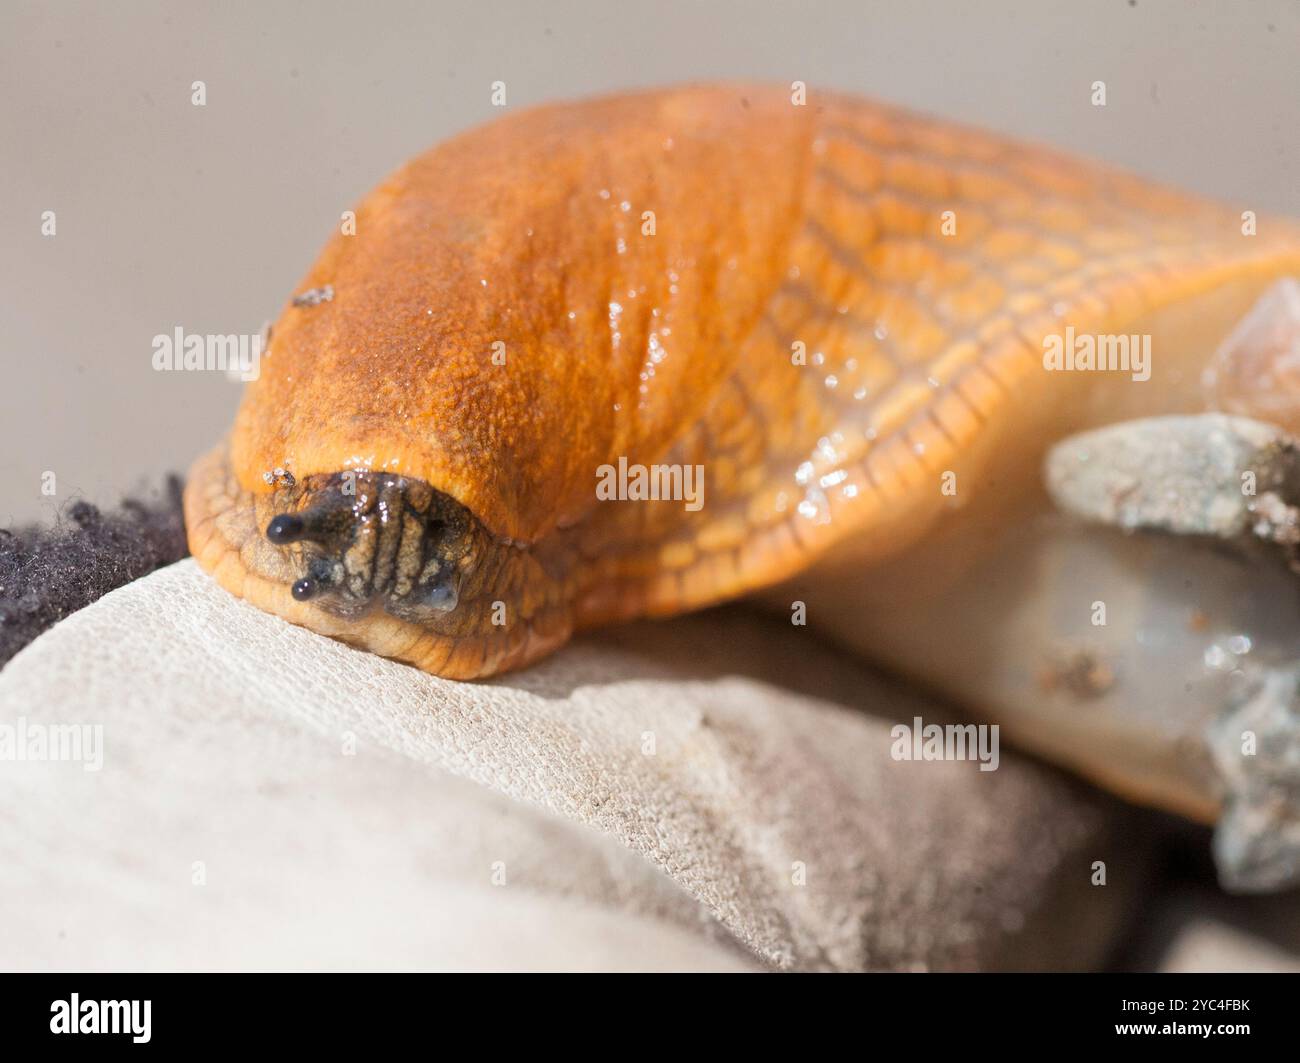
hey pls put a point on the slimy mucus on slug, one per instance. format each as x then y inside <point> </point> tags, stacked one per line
<point>776,227</point>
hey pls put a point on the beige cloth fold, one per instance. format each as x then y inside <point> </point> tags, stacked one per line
<point>710,793</point>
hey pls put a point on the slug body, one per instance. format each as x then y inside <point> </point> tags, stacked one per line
<point>831,311</point>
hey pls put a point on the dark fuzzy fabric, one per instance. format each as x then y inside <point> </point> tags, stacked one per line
<point>48,572</point>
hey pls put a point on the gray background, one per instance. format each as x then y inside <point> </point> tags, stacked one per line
<point>170,214</point>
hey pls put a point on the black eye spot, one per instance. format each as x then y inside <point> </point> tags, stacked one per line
<point>285,528</point>
<point>304,589</point>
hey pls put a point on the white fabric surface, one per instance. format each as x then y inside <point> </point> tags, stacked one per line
<point>226,740</point>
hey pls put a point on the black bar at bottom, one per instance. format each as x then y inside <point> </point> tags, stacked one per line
<point>342,1011</point>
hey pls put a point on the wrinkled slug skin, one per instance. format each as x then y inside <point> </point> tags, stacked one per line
<point>776,228</point>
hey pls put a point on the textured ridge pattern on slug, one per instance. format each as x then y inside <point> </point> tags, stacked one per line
<point>928,265</point>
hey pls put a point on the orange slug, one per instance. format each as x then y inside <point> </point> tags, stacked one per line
<point>829,311</point>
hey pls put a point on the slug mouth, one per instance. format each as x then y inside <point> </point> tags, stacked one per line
<point>383,562</point>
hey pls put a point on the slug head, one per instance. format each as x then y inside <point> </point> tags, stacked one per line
<point>384,562</point>
<point>362,539</point>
